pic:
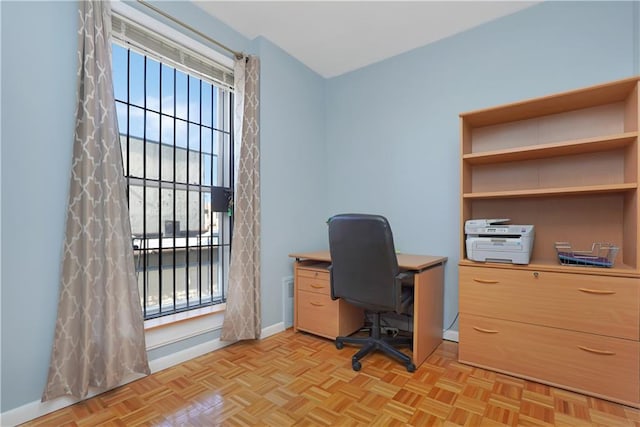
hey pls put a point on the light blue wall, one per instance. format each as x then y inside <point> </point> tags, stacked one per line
<point>393,130</point>
<point>293,169</point>
<point>383,139</point>
<point>38,97</point>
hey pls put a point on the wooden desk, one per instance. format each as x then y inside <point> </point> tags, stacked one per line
<point>311,278</point>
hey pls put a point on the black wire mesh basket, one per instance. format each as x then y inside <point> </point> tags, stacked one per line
<point>600,255</point>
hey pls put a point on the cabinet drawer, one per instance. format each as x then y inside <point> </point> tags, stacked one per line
<point>594,304</point>
<point>601,365</point>
<point>317,313</point>
<point>314,281</point>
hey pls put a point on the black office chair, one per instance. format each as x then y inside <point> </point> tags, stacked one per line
<point>364,272</point>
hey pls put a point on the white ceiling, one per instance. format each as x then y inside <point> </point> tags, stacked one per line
<point>335,37</point>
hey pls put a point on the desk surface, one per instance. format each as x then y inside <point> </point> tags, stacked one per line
<point>407,261</point>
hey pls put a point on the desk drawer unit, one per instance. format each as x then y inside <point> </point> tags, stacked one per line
<point>603,366</point>
<point>316,312</point>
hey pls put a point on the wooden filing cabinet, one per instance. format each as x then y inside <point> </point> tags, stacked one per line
<point>568,163</point>
<point>314,310</point>
<point>570,330</point>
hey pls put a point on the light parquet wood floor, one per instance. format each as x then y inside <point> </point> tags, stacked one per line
<point>295,379</point>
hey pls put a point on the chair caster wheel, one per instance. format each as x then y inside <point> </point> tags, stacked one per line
<point>339,345</point>
<point>356,365</point>
<point>411,367</point>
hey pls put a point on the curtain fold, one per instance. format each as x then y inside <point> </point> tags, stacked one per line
<point>99,334</point>
<point>242,318</point>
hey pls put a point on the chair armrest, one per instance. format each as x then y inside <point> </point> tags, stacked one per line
<point>404,280</point>
<point>405,276</point>
<point>330,269</point>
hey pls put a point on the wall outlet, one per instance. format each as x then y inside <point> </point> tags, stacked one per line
<point>389,331</point>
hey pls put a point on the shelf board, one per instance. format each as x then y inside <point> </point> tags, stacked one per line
<point>542,192</point>
<point>553,104</point>
<point>578,146</point>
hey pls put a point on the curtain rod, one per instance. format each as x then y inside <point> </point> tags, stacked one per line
<point>236,54</point>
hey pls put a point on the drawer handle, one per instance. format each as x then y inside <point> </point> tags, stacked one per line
<point>486,331</point>
<point>487,281</point>
<point>317,286</point>
<point>596,291</point>
<point>315,304</point>
<point>593,350</point>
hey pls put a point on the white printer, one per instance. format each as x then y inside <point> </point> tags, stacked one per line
<point>495,241</point>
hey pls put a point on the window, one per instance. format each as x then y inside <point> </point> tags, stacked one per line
<point>175,124</point>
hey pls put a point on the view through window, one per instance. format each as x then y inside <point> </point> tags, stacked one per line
<point>175,133</point>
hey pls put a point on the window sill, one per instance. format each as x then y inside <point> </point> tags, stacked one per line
<point>164,321</point>
<point>177,327</point>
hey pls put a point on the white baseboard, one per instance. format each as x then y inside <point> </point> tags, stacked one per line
<point>37,409</point>
<point>182,356</point>
<point>450,335</point>
<point>272,330</point>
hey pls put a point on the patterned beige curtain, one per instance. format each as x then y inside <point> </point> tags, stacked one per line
<point>99,335</point>
<point>242,315</point>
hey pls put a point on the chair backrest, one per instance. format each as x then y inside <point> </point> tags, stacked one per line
<point>364,264</point>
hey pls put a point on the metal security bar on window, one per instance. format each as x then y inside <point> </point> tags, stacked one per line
<point>177,147</point>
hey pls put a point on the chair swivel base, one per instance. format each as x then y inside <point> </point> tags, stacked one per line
<point>383,344</point>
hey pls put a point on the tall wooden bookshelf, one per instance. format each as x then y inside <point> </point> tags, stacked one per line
<point>567,163</point>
